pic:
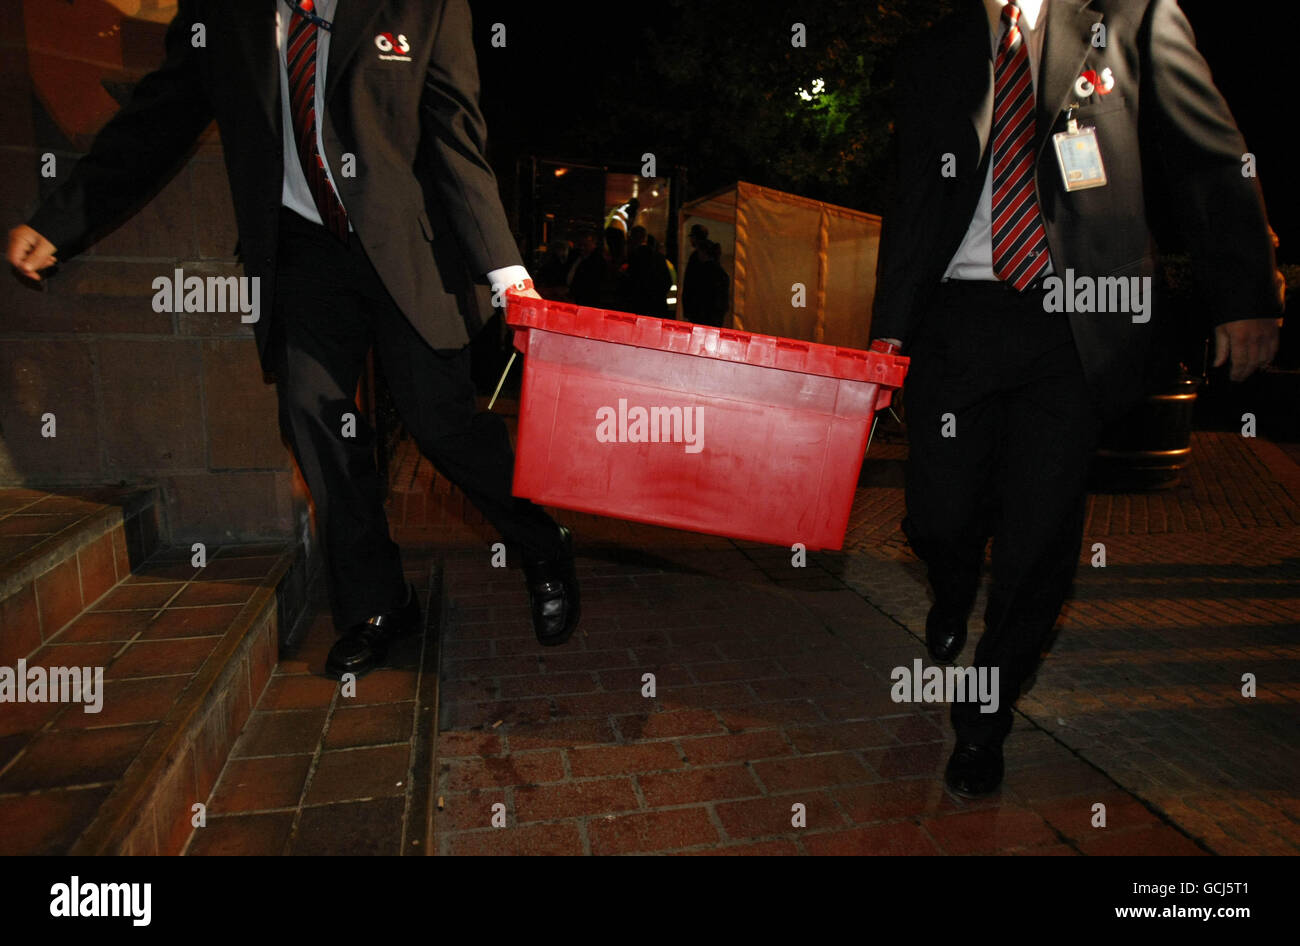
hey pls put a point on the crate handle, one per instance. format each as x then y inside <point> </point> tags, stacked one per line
<point>792,346</point>
<point>620,317</point>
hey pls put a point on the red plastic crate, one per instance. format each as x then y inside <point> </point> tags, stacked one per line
<point>783,424</point>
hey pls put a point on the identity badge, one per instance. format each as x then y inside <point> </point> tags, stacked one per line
<point>1079,157</point>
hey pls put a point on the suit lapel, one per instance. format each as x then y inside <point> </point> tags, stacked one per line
<point>258,40</point>
<point>352,25</point>
<point>1065,50</point>
<point>977,49</point>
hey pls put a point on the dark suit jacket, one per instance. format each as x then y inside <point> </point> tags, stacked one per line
<point>588,284</point>
<point>424,201</point>
<point>1163,125</point>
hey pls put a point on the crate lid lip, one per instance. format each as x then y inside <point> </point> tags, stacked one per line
<point>524,312</point>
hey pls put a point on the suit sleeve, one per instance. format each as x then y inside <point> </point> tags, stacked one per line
<point>1199,150</point>
<point>455,141</point>
<point>139,149</point>
<point>897,257</point>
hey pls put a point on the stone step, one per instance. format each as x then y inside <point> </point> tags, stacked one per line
<point>61,549</point>
<point>185,653</point>
<point>322,769</point>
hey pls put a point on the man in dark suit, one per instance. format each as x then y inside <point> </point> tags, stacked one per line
<point>1022,299</point>
<point>696,305</point>
<point>587,273</point>
<point>355,151</point>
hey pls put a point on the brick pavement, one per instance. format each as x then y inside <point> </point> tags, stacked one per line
<point>1201,585</point>
<point>772,704</point>
<point>773,692</point>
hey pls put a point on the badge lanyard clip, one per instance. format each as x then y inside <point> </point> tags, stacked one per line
<point>1071,123</point>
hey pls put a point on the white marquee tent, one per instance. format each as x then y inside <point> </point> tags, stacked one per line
<point>771,241</point>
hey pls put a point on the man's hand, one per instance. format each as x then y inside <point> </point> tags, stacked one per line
<point>523,287</point>
<point>29,252</point>
<point>513,279</point>
<point>1250,343</point>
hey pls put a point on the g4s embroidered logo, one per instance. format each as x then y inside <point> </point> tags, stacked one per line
<point>1090,81</point>
<point>386,42</point>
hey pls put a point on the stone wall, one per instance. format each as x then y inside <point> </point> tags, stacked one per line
<point>138,396</point>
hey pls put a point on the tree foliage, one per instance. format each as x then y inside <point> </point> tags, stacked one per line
<point>716,87</point>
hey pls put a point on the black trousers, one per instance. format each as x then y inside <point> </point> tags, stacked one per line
<point>1001,428</point>
<point>330,307</point>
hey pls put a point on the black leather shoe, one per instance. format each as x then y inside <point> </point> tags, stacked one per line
<point>553,593</point>
<point>974,770</point>
<point>945,635</point>
<point>365,646</point>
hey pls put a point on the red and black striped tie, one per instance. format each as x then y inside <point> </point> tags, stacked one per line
<point>1019,241</point>
<point>301,61</point>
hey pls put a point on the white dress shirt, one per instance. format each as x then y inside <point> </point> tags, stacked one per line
<point>974,257</point>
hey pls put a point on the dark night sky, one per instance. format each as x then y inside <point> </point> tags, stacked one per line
<point>1253,60</point>
<point>551,71</point>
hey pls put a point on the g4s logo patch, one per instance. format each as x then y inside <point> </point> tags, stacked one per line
<point>1091,81</point>
<point>393,47</point>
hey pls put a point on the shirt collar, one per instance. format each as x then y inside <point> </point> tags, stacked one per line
<point>1030,10</point>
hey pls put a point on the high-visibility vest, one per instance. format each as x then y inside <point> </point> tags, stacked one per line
<point>617,218</point>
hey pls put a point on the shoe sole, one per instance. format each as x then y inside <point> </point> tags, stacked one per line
<point>945,661</point>
<point>556,641</point>
<point>968,794</point>
<point>357,672</point>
